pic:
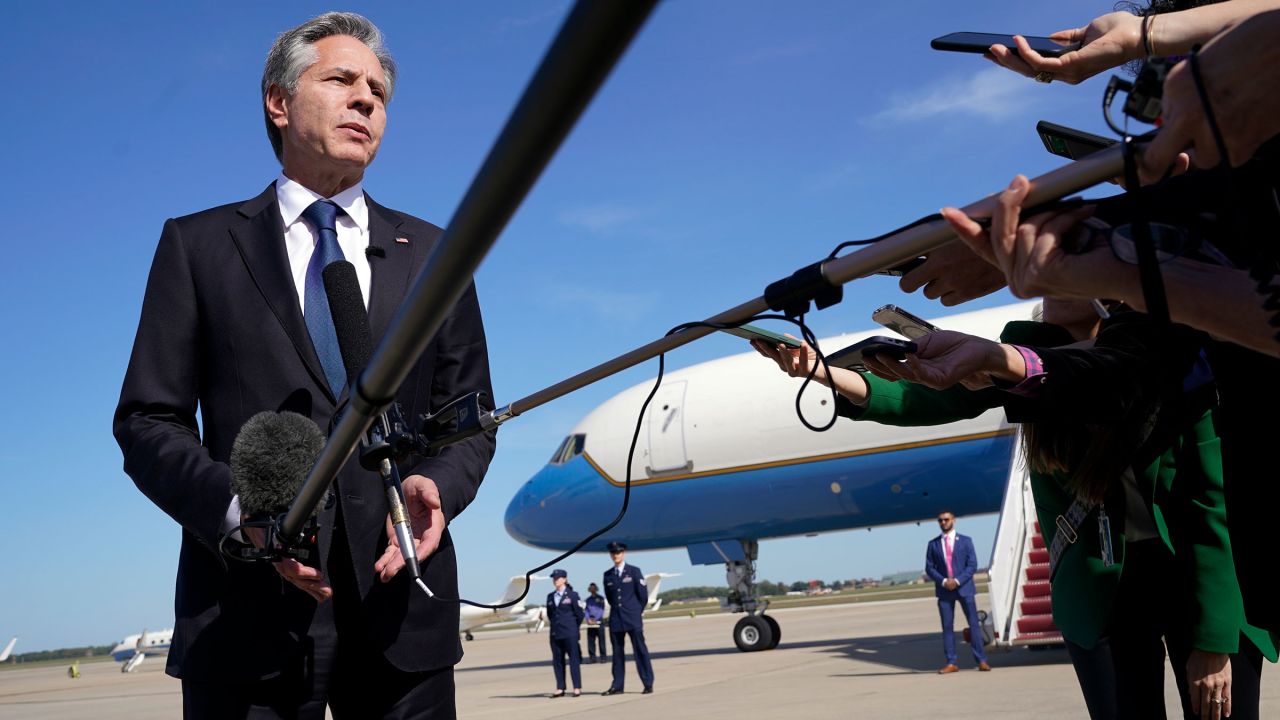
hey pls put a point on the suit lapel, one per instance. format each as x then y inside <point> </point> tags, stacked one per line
<point>391,265</point>
<point>260,239</point>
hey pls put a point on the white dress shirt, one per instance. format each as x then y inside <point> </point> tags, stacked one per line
<point>300,238</point>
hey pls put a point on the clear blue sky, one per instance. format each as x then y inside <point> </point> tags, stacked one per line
<point>735,142</point>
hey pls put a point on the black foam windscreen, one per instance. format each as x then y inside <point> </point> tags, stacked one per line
<point>270,459</point>
<point>350,319</point>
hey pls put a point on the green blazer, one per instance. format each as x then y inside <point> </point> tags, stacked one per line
<point>1189,514</point>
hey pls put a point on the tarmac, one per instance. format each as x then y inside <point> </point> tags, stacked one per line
<point>864,660</point>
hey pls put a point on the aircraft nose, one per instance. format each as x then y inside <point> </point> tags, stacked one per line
<point>560,504</point>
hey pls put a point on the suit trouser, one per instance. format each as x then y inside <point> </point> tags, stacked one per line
<point>620,657</point>
<point>340,670</point>
<point>560,648</point>
<point>1096,673</point>
<point>947,610</point>
<point>596,635</point>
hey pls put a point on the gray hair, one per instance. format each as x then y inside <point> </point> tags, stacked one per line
<point>293,52</point>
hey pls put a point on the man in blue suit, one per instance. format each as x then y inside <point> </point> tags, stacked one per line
<point>564,616</point>
<point>625,590</point>
<point>951,562</point>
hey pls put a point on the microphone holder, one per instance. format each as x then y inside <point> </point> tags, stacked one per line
<point>272,550</point>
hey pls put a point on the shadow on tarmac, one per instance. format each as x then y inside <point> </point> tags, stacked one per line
<point>922,653</point>
<point>910,654</point>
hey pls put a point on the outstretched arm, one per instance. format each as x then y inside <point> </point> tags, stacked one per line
<point>1114,39</point>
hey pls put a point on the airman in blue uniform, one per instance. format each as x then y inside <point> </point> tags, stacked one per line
<point>564,616</point>
<point>625,590</point>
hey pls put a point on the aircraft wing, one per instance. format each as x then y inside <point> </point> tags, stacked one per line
<point>8,649</point>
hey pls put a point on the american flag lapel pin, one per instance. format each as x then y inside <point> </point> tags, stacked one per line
<point>403,240</point>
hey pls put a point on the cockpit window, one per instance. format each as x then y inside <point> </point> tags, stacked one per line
<point>569,449</point>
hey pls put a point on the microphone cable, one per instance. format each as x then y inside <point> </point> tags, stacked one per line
<point>809,337</point>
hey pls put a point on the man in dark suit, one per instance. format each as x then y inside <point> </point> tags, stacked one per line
<point>234,322</point>
<point>625,589</point>
<point>951,562</point>
<point>564,617</point>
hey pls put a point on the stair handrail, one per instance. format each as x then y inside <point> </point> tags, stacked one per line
<point>1009,552</point>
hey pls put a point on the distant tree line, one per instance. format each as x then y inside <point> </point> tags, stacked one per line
<point>764,588</point>
<point>62,654</point>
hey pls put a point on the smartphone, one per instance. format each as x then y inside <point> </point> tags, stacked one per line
<point>751,332</point>
<point>902,322</point>
<point>850,358</point>
<point>980,42</point>
<point>1070,143</point>
<point>904,268</point>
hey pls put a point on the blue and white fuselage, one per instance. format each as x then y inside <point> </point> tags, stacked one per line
<point>723,457</point>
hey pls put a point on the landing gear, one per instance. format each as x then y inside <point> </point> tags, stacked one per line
<point>777,630</point>
<point>753,633</point>
<point>756,631</point>
<point>468,635</point>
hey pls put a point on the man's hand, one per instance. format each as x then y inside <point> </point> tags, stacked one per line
<point>950,584</point>
<point>1240,69</point>
<point>1209,677</point>
<point>1029,253</point>
<point>426,522</point>
<point>304,577</point>
<point>953,274</point>
<point>1109,41</point>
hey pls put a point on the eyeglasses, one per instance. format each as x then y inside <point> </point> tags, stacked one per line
<point>944,520</point>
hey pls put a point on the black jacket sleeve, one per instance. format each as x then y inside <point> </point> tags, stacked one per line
<point>155,421</point>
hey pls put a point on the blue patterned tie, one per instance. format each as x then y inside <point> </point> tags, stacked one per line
<point>323,215</point>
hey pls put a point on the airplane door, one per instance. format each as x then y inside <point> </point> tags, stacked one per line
<point>666,431</point>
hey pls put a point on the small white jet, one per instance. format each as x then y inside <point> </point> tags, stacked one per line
<point>470,618</point>
<point>135,648</point>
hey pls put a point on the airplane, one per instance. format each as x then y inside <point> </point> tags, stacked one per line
<point>8,649</point>
<point>134,649</point>
<point>470,618</point>
<point>723,463</point>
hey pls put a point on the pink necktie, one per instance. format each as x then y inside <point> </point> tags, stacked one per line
<point>946,542</point>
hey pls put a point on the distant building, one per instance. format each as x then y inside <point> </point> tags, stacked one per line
<point>909,577</point>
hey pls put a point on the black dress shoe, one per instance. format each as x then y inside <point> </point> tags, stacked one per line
<point>612,691</point>
<point>553,696</point>
<point>647,691</point>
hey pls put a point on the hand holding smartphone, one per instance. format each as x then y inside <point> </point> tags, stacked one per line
<point>851,358</point>
<point>972,42</point>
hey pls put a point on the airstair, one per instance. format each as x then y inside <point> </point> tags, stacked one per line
<point>1021,607</point>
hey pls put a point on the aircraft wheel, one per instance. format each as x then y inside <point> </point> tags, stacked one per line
<point>469,636</point>
<point>752,633</point>
<point>777,631</point>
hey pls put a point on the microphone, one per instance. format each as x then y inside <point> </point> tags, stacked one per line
<point>270,459</point>
<point>355,342</point>
<point>350,319</point>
